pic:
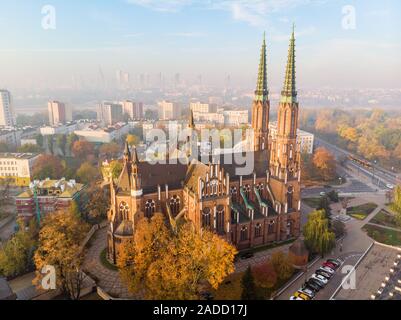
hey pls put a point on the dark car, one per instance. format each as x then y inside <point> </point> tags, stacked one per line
<point>316,282</point>
<point>247,255</point>
<point>324,274</point>
<point>311,286</point>
<point>334,262</point>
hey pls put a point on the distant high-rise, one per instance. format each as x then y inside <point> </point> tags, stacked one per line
<point>169,110</point>
<point>6,109</point>
<point>203,107</point>
<point>58,113</point>
<point>133,109</point>
<point>110,113</point>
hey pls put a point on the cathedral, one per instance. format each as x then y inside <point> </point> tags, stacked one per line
<point>247,211</point>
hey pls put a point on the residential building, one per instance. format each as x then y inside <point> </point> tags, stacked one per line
<point>59,113</point>
<point>216,118</point>
<point>17,168</point>
<point>169,110</point>
<point>133,109</point>
<point>108,134</point>
<point>236,118</point>
<point>58,129</point>
<point>110,113</point>
<point>203,107</point>
<point>7,117</point>
<point>11,137</point>
<point>305,139</point>
<point>51,196</point>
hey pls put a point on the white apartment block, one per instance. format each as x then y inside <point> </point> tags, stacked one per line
<point>59,129</point>
<point>305,139</point>
<point>59,113</point>
<point>6,109</point>
<point>133,109</point>
<point>17,167</point>
<point>104,135</point>
<point>236,117</point>
<point>216,118</point>
<point>11,137</point>
<point>203,107</point>
<point>110,113</point>
<point>169,110</point>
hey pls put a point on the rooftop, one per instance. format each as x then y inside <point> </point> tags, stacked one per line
<point>60,188</point>
<point>9,155</point>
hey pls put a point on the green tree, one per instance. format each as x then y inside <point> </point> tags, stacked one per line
<point>29,148</point>
<point>87,173</point>
<point>396,205</point>
<point>4,147</point>
<point>16,254</point>
<point>61,142</point>
<point>318,237</point>
<point>50,144</point>
<point>97,205</point>
<point>248,286</point>
<point>282,265</point>
<point>116,168</point>
<point>47,166</point>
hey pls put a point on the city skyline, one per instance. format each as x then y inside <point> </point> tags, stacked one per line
<point>213,38</point>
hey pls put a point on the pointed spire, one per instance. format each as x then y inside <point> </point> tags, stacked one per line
<point>262,93</point>
<point>191,123</point>
<point>127,152</point>
<point>289,93</point>
<point>135,159</point>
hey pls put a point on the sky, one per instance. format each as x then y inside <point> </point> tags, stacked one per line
<point>214,38</point>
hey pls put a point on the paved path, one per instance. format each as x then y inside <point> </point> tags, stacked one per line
<point>105,278</point>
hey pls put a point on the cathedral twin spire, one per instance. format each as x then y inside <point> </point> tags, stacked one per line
<point>289,93</point>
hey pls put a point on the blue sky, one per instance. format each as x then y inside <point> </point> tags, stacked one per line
<point>209,37</point>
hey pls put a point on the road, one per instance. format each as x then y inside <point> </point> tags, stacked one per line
<point>379,176</point>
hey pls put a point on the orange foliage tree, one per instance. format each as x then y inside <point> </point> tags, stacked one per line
<point>82,149</point>
<point>47,166</point>
<point>325,163</point>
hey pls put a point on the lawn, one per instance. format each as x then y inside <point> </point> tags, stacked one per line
<point>312,202</point>
<point>386,236</point>
<point>385,218</point>
<point>106,262</point>
<point>362,211</point>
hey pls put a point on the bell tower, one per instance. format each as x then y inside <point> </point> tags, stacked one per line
<point>261,105</point>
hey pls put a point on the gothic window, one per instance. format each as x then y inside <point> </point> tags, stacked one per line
<point>248,191</point>
<point>291,151</point>
<point>271,227</point>
<point>244,233</point>
<point>124,211</point>
<point>175,205</point>
<point>258,230</point>
<point>233,193</point>
<point>150,208</point>
<point>220,219</point>
<point>206,218</point>
<point>290,194</point>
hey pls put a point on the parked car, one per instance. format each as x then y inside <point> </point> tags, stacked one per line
<point>302,296</point>
<point>296,298</point>
<point>247,255</point>
<point>324,274</point>
<point>330,265</point>
<point>311,286</point>
<point>322,194</point>
<point>310,293</point>
<point>335,262</point>
<point>390,186</point>
<point>320,278</point>
<point>316,282</point>
<point>328,270</point>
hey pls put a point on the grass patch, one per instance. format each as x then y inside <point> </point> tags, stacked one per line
<point>312,202</point>
<point>105,262</point>
<point>271,246</point>
<point>385,218</point>
<point>362,211</point>
<point>382,235</point>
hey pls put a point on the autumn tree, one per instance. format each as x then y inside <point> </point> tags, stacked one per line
<point>168,265</point>
<point>318,237</point>
<point>111,149</point>
<point>265,275</point>
<point>97,205</point>
<point>82,149</point>
<point>115,168</point>
<point>282,265</point>
<point>325,163</point>
<point>29,148</point>
<point>133,140</point>
<point>59,245</point>
<point>396,205</point>
<point>248,286</point>
<point>47,166</point>
<point>16,254</point>
<point>87,173</point>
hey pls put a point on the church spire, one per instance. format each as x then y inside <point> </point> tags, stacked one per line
<point>262,93</point>
<point>289,93</point>
<point>127,152</point>
<point>191,123</point>
<point>135,159</point>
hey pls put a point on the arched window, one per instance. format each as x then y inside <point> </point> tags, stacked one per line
<point>150,208</point>
<point>258,230</point>
<point>291,151</point>
<point>220,219</point>
<point>206,218</point>
<point>271,226</point>
<point>124,211</point>
<point>248,191</point>
<point>175,205</point>
<point>290,194</point>
<point>233,193</point>
<point>244,233</point>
